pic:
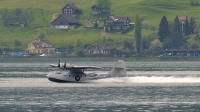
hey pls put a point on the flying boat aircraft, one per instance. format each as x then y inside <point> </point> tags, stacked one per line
<point>75,73</point>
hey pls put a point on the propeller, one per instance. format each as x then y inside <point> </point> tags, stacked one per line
<point>64,65</point>
<point>59,63</point>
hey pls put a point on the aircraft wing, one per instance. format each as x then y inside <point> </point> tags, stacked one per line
<point>60,65</point>
<point>84,67</point>
<point>70,67</point>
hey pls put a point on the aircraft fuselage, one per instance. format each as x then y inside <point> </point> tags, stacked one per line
<point>71,76</point>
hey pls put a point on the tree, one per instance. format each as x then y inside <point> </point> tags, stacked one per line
<point>194,46</point>
<point>145,25</point>
<point>155,50</point>
<point>167,43</point>
<point>194,2</point>
<point>156,42</point>
<point>79,48</point>
<point>18,12</point>
<point>138,29</point>
<point>17,43</point>
<point>128,44</point>
<point>6,16</point>
<point>18,16</point>
<point>41,34</point>
<point>25,17</point>
<point>177,37</point>
<point>146,40</point>
<point>106,4</point>
<point>191,2</point>
<point>197,37</point>
<point>187,27</point>
<point>153,28</point>
<point>192,24</point>
<point>163,32</point>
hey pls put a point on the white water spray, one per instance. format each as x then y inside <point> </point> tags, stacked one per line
<point>153,79</point>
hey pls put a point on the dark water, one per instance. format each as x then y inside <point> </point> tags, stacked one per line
<point>148,87</point>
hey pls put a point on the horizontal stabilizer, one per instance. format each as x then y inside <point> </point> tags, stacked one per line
<point>53,65</point>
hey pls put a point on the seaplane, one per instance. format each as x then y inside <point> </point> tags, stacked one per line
<point>75,73</point>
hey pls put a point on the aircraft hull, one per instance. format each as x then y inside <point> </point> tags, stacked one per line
<point>58,80</point>
<point>69,77</point>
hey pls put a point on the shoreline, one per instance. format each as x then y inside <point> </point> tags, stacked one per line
<point>47,59</point>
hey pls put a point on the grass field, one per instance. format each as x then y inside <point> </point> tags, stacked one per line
<point>150,10</point>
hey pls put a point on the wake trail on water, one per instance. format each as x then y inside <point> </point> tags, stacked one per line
<point>153,79</point>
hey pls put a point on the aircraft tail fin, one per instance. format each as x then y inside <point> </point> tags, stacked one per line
<point>119,70</point>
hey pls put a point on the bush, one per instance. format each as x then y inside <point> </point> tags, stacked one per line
<point>194,46</point>
<point>6,49</point>
<point>155,51</point>
<point>194,2</point>
<point>191,2</point>
<point>80,54</point>
<point>99,55</point>
<point>17,43</point>
<point>126,30</point>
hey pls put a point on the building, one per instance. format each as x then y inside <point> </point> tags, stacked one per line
<point>122,53</point>
<point>116,23</point>
<point>97,10</point>
<point>182,53</point>
<point>65,21</point>
<point>40,47</point>
<point>98,49</point>
<point>71,9</point>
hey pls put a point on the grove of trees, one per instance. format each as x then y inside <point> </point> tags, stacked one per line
<point>175,36</point>
<point>16,16</point>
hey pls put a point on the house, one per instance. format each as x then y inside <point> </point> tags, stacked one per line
<point>65,21</point>
<point>97,10</point>
<point>99,49</point>
<point>116,23</point>
<point>71,9</point>
<point>40,47</point>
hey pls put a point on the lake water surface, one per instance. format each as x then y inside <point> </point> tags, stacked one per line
<point>148,87</point>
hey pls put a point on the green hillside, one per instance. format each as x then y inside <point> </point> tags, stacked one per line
<point>150,10</point>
